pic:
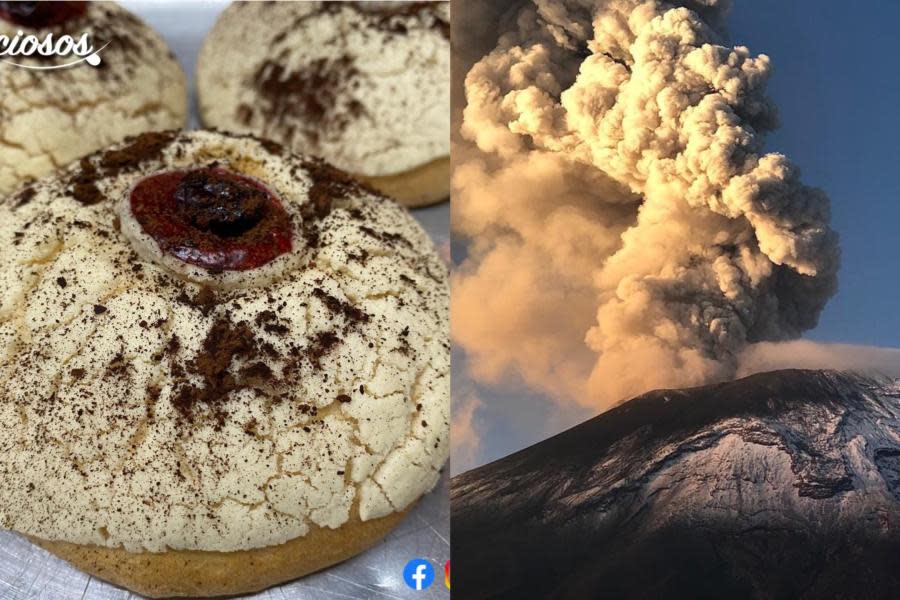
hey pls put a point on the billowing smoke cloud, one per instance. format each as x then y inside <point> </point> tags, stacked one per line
<point>627,230</point>
<point>804,354</point>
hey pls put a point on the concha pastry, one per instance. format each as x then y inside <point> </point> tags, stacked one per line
<point>364,85</point>
<point>51,116</point>
<point>222,365</point>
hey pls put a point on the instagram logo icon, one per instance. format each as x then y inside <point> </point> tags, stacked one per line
<point>447,574</point>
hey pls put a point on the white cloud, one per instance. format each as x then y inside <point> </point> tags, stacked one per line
<point>465,441</point>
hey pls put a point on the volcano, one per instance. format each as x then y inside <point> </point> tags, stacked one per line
<point>780,485</point>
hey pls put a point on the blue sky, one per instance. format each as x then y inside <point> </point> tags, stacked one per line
<point>838,91</point>
<point>837,88</point>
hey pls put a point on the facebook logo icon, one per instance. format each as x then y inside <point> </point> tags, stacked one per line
<point>418,574</point>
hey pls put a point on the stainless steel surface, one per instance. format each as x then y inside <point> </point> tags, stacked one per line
<point>28,572</point>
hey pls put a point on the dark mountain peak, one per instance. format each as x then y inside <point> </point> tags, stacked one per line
<point>782,458</point>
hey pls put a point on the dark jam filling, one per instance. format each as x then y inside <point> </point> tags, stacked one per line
<point>37,15</point>
<point>212,218</point>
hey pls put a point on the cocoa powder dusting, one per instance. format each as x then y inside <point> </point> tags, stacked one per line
<point>328,186</point>
<point>268,320</point>
<point>309,97</point>
<point>224,343</point>
<point>83,184</point>
<point>204,300</point>
<point>270,146</point>
<point>259,371</point>
<point>396,19</point>
<point>244,114</point>
<point>351,313</point>
<point>385,236</point>
<point>147,146</point>
<point>23,197</point>
<point>322,343</point>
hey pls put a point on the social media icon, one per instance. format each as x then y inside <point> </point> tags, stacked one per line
<point>447,574</point>
<point>418,574</point>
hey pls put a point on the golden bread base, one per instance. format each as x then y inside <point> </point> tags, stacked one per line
<point>194,573</point>
<point>422,186</point>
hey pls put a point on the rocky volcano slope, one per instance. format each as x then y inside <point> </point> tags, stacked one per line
<point>781,485</point>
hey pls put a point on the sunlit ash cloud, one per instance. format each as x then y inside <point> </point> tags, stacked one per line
<point>464,437</point>
<point>626,229</point>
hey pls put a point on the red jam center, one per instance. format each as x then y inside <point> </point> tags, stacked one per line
<point>41,14</point>
<point>212,218</point>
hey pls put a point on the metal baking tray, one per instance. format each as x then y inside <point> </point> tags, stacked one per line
<point>28,572</point>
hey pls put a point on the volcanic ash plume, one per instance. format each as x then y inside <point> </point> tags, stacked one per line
<point>627,231</point>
